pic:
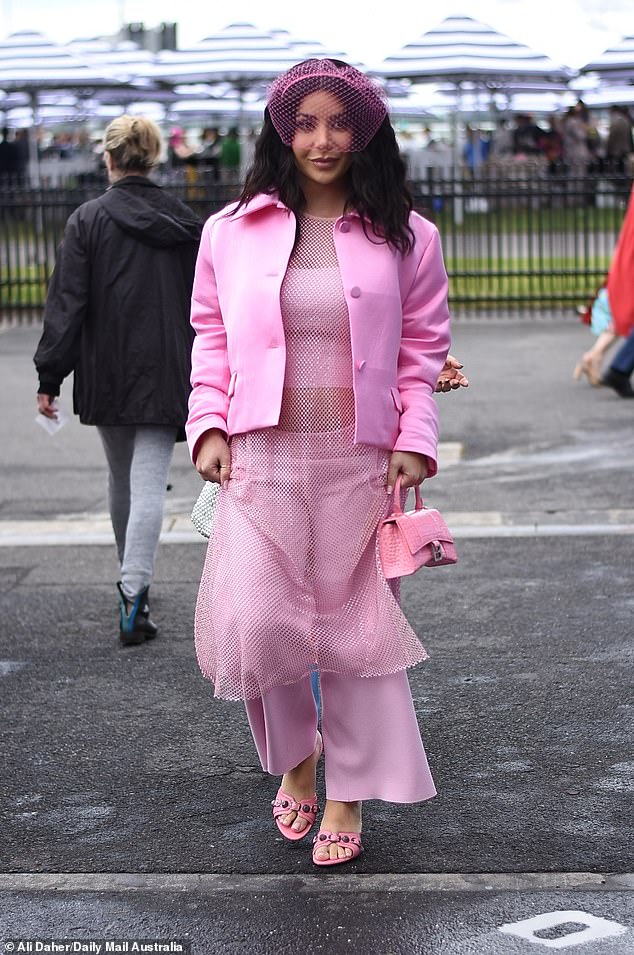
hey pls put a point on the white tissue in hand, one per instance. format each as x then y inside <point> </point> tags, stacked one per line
<point>52,425</point>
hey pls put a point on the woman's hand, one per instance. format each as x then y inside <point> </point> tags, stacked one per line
<point>451,377</point>
<point>213,460</point>
<point>46,405</point>
<point>412,467</point>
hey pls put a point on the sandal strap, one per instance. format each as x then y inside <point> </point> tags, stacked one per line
<point>283,803</point>
<point>350,839</point>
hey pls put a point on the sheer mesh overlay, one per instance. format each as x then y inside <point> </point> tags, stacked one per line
<point>292,580</point>
<point>326,103</point>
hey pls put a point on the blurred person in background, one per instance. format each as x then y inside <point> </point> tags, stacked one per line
<point>230,157</point>
<point>117,316</point>
<point>621,292</point>
<point>526,136</point>
<point>597,314</point>
<point>9,158</point>
<point>476,149</point>
<point>552,147</point>
<point>619,146</point>
<point>619,143</point>
<point>181,155</point>
<point>209,154</point>
<point>502,139</point>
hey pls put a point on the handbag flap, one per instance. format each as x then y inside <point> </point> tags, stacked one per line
<point>420,528</point>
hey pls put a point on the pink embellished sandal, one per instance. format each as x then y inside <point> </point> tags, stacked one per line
<point>349,840</point>
<point>306,809</point>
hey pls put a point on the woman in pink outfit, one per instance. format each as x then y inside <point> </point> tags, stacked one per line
<point>320,311</point>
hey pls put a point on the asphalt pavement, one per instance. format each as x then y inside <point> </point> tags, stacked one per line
<point>133,803</point>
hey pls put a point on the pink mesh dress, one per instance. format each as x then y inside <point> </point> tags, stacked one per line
<point>292,581</point>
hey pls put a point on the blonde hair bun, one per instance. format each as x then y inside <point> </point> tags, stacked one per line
<point>134,143</point>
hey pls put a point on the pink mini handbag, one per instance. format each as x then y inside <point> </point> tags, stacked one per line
<point>412,539</point>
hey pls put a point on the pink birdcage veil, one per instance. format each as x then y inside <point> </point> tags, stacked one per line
<point>321,101</point>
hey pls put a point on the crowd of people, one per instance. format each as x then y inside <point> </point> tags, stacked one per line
<point>217,156</point>
<point>220,156</point>
<point>570,143</point>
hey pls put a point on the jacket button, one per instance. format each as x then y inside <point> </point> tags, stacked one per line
<point>344,227</point>
<point>360,364</point>
<point>355,291</point>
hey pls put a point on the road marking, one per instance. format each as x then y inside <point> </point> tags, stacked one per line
<point>595,928</point>
<point>93,533</point>
<point>11,666</point>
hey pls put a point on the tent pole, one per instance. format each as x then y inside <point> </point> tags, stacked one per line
<point>34,158</point>
<point>458,200</point>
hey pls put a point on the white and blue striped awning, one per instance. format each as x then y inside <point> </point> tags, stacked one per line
<point>307,49</point>
<point>463,49</point>
<point>240,54</point>
<point>124,61</point>
<point>29,61</point>
<point>616,64</point>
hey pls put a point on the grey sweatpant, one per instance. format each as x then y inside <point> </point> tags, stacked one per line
<point>138,464</point>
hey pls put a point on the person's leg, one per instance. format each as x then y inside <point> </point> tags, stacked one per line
<point>153,448</point>
<point>623,361</point>
<point>284,728</point>
<point>372,747</point>
<point>118,445</point>
<point>592,360</point>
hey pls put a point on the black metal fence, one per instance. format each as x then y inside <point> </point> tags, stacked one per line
<point>513,245</point>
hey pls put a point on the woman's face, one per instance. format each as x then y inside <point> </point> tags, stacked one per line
<point>323,138</point>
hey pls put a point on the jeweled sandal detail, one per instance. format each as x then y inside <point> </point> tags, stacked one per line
<point>349,840</point>
<point>306,809</point>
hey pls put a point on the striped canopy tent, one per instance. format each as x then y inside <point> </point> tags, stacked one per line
<point>240,55</point>
<point>616,64</point>
<point>32,64</point>
<point>29,62</point>
<point>462,49</point>
<point>307,49</point>
<point>125,62</point>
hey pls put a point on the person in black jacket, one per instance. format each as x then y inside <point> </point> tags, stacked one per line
<point>117,315</point>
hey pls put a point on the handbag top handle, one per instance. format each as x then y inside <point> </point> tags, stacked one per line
<point>396,501</point>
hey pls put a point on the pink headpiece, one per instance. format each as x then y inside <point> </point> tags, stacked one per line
<point>363,103</point>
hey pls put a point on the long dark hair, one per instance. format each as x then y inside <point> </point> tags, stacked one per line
<point>376,180</point>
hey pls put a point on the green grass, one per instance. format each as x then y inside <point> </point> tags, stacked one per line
<point>22,286</point>
<point>543,282</point>
<point>527,220</point>
<point>479,280</point>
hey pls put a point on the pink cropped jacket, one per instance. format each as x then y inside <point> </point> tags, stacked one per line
<point>399,327</point>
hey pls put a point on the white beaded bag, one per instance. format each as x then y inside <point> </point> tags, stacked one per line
<point>205,508</point>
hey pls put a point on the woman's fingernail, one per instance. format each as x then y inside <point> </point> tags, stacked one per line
<point>389,489</point>
<point>225,485</point>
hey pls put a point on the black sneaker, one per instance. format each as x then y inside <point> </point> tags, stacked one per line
<point>619,381</point>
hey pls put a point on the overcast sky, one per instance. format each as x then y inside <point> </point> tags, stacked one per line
<point>570,31</point>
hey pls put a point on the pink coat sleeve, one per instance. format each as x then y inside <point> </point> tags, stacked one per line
<point>209,398</point>
<point>425,342</point>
